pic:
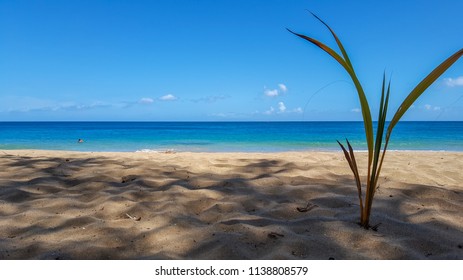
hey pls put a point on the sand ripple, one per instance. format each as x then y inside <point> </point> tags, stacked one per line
<point>65,205</point>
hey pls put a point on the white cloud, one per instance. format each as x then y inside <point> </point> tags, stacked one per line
<point>454,82</point>
<point>269,112</point>
<point>271,92</point>
<point>281,107</point>
<point>54,106</point>
<point>356,110</point>
<point>229,115</point>
<point>146,100</point>
<point>282,88</point>
<point>429,107</point>
<point>168,97</point>
<point>210,99</point>
<point>221,115</point>
<point>298,110</point>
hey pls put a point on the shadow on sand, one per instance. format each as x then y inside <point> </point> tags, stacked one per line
<point>86,208</point>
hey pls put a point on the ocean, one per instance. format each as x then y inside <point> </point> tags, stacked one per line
<point>221,136</point>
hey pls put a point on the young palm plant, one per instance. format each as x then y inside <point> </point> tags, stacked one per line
<point>375,144</point>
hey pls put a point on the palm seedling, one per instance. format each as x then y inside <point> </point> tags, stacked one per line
<point>375,144</point>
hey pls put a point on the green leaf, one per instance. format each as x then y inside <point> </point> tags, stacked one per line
<point>381,124</point>
<point>353,166</point>
<point>366,114</point>
<point>371,188</point>
<point>327,49</point>
<point>421,87</point>
<point>341,47</point>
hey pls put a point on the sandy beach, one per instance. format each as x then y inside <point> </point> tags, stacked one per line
<point>295,205</point>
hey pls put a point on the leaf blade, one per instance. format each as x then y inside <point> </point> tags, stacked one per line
<point>338,42</point>
<point>324,47</point>
<point>371,189</point>
<point>421,87</point>
<point>353,166</point>
<point>366,113</point>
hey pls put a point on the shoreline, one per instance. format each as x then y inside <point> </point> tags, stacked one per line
<point>173,151</point>
<point>196,205</point>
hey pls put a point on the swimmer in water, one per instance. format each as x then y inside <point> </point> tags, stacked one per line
<point>80,141</point>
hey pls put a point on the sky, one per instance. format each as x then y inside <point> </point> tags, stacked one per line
<point>223,60</point>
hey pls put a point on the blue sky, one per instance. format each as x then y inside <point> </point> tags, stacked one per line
<point>222,60</point>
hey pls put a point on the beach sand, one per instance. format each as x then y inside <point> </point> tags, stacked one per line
<point>72,205</point>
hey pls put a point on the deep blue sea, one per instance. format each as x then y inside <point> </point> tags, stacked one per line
<point>221,136</point>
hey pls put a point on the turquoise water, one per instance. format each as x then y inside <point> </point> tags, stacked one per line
<point>221,136</point>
